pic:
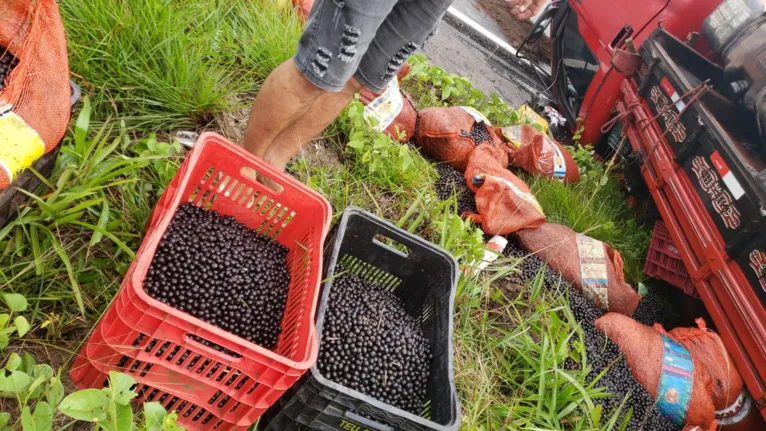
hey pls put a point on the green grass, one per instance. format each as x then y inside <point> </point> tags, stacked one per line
<point>71,244</point>
<point>165,64</point>
<point>510,351</point>
<point>158,65</point>
<point>599,209</point>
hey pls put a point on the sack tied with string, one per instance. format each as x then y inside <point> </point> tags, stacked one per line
<point>590,265</point>
<point>504,202</point>
<point>392,111</point>
<point>536,153</point>
<point>451,134</point>
<point>674,376</point>
<point>35,101</point>
<point>707,347</point>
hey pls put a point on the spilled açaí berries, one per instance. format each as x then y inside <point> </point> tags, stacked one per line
<point>452,182</point>
<point>7,63</point>
<point>603,355</point>
<point>372,345</point>
<point>219,271</point>
<point>479,133</point>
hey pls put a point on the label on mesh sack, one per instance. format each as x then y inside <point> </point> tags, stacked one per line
<point>512,134</point>
<point>386,107</point>
<point>533,117</point>
<point>477,116</point>
<point>552,161</point>
<point>20,145</point>
<point>676,381</point>
<point>593,270</point>
<point>527,197</point>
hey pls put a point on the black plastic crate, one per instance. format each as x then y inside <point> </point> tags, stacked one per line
<point>425,278</point>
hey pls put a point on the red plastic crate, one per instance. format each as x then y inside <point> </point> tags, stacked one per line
<point>191,416</point>
<point>147,339</point>
<point>664,261</point>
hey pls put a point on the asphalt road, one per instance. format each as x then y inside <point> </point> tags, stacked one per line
<point>462,54</point>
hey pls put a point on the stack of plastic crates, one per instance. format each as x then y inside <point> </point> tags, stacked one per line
<point>214,379</point>
<point>663,261</point>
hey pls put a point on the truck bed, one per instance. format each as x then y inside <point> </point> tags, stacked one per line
<point>704,171</point>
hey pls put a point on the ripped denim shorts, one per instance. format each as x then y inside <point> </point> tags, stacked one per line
<point>366,39</point>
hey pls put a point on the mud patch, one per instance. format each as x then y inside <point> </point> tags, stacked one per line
<point>232,124</point>
<point>319,152</point>
<point>514,30</point>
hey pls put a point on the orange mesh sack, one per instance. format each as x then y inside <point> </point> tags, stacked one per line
<point>589,265</point>
<point>450,134</point>
<point>35,103</point>
<point>708,349</point>
<point>503,201</point>
<point>536,153</point>
<point>393,109</point>
<point>673,375</point>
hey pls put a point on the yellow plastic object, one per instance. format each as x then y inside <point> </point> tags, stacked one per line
<point>534,118</point>
<point>20,147</point>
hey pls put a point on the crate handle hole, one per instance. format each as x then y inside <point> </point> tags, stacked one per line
<point>269,183</point>
<point>391,245</point>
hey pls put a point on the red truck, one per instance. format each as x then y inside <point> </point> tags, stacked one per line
<point>678,89</point>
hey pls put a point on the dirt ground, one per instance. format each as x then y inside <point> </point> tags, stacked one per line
<point>514,30</point>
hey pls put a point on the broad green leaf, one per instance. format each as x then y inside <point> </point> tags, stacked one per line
<point>55,392</point>
<point>29,363</point>
<point>154,414</point>
<point>642,289</point>
<point>36,388</point>
<point>5,418</point>
<point>27,423</point>
<point>41,420</point>
<point>120,387</point>
<point>87,405</point>
<point>169,423</point>
<point>43,370</point>
<point>14,383</point>
<point>357,145</point>
<point>16,302</point>
<point>22,326</point>
<point>14,362</point>
<point>120,419</point>
<point>4,319</point>
<point>43,416</point>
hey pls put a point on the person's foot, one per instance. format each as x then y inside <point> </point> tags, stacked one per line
<point>266,181</point>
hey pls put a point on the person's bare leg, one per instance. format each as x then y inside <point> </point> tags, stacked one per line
<point>285,97</point>
<point>312,122</point>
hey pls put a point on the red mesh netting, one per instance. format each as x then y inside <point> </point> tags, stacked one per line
<point>38,88</point>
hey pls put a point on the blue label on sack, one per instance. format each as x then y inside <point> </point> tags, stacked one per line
<point>676,381</point>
